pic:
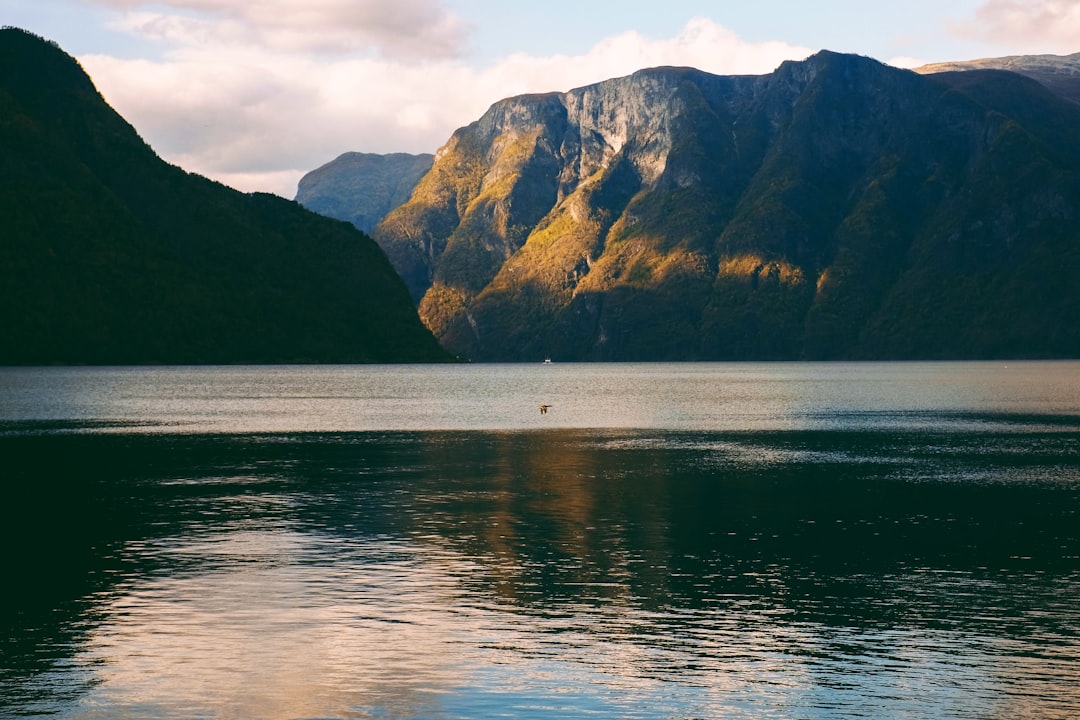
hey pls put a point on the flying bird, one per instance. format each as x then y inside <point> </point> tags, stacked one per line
<point>544,409</point>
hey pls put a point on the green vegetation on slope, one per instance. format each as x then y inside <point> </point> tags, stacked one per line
<point>109,255</point>
<point>836,208</point>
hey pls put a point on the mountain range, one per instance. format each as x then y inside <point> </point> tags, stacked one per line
<point>834,208</point>
<point>110,255</point>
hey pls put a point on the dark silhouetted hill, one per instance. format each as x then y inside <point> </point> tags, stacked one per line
<point>110,255</point>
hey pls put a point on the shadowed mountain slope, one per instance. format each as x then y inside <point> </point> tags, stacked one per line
<point>110,255</point>
<point>361,188</point>
<point>1059,73</point>
<point>835,208</point>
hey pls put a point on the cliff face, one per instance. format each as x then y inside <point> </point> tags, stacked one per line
<point>834,208</point>
<point>361,188</point>
<point>110,255</point>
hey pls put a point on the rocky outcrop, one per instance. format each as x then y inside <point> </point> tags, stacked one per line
<point>361,188</point>
<point>835,208</point>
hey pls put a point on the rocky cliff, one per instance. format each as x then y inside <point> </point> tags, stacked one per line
<point>835,208</point>
<point>110,255</point>
<point>361,188</point>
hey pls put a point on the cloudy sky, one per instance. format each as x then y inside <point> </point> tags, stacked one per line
<point>255,93</point>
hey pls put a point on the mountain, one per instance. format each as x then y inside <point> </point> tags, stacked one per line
<point>110,255</point>
<point>361,188</point>
<point>835,208</point>
<point>1059,73</point>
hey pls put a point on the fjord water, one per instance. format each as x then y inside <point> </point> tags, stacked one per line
<point>668,541</point>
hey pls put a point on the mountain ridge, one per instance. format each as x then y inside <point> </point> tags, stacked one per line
<point>361,188</point>
<point>675,214</point>
<point>1059,73</point>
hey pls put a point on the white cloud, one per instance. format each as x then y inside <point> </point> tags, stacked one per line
<point>257,117</point>
<point>906,61</point>
<point>1025,26</point>
<point>403,29</point>
<point>702,44</point>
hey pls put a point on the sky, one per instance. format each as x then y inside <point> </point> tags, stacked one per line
<point>256,93</point>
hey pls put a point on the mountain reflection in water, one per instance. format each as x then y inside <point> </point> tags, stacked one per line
<point>808,573</point>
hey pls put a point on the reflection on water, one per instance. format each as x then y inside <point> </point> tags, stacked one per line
<point>662,396</point>
<point>274,624</point>
<point>883,569</point>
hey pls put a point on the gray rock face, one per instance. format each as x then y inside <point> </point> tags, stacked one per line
<point>361,188</point>
<point>836,207</point>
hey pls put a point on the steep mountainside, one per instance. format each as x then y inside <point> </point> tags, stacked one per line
<point>1060,73</point>
<point>361,188</point>
<point>835,208</point>
<point>110,255</point>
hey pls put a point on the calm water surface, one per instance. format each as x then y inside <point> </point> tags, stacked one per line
<point>669,541</point>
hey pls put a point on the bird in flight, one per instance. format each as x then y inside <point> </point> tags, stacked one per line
<point>544,409</point>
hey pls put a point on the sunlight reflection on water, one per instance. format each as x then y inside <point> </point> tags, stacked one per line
<point>277,624</point>
<point>263,628</point>
<point>783,541</point>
